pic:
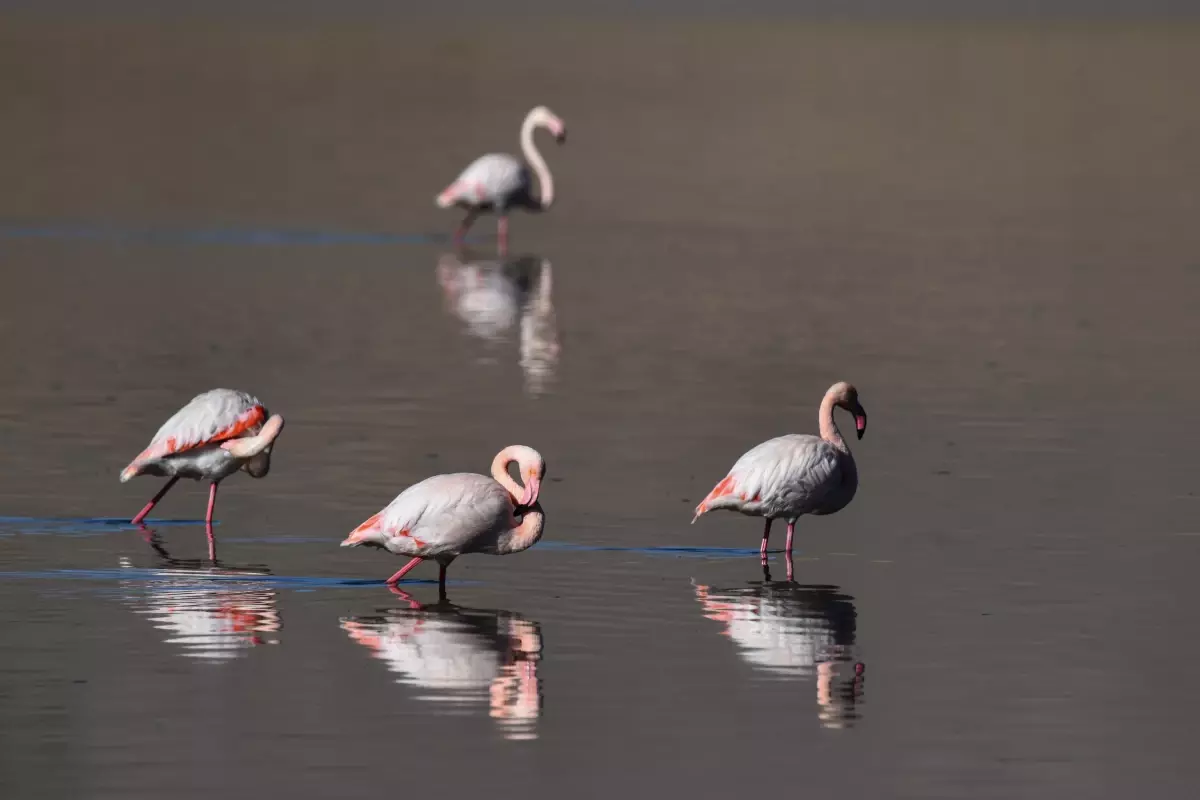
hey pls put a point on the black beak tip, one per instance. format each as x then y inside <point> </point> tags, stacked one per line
<point>860,432</point>
<point>562,138</point>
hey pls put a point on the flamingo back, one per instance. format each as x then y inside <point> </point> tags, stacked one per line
<point>496,180</point>
<point>786,477</point>
<point>445,515</point>
<point>209,418</point>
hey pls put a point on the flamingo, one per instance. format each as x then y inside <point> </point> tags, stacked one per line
<point>498,182</point>
<point>795,474</point>
<point>217,433</point>
<point>446,516</point>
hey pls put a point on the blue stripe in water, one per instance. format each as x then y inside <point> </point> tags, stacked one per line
<point>680,550</point>
<point>109,521</point>
<point>87,526</point>
<point>155,575</point>
<point>202,236</point>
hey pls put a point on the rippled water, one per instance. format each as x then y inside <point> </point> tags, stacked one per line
<point>990,230</point>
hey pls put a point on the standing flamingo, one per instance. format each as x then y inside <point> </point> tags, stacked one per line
<point>445,516</point>
<point>212,437</point>
<point>498,182</point>
<point>794,474</point>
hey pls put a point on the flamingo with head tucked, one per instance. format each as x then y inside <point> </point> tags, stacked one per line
<point>796,474</point>
<point>498,182</point>
<point>213,436</point>
<point>446,516</point>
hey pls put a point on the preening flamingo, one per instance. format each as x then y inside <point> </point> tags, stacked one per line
<point>796,474</point>
<point>446,516</point>
<point>498,182</point>
<point>212,437</point>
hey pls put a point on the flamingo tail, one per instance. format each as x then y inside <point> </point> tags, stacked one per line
<point>369,531</point>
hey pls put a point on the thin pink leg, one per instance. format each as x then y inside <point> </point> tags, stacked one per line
<point>212,541</point>
<point>464,226</point>
<point>502,234</point>
<point>762,551</point>
<point>392,581</point>
<point>787,549</point>
<point>212,502</point>
<point>153,502</point>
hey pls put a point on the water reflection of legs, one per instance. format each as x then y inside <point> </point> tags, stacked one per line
<point>766,567</point>
<point>155,541</point>
<point>406,597</point>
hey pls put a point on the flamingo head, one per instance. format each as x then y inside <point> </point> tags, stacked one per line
<point>846,396</point>
<point>532,473</point>
<point>531,467</point>
<point>545,118</point>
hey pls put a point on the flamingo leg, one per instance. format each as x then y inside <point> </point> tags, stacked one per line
<point>502,233</point>
<point>762,551</point>
<point>212,540</point>
<point>787,549</point>
<point>212,502</point>
<point>153,502</point>
<point>464,226</point>
<point>442,580</point>
<point>392,581</point>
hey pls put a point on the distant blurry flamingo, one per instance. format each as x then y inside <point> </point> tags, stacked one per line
<point>498,182</point>
<point>446,516</point>
<point>794,474</point>
<point>212,437</point>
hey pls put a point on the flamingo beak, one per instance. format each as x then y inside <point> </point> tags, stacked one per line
<point>561,136</point>
<point>532,486</point>
<point>860,421</point>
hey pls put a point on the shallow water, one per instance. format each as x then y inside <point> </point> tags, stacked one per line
<point>990,230</point>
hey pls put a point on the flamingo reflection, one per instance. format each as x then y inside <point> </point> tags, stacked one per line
<point>462,658</point>
<point>492,297</point>
<point>793,632</point>
<point>209,610</point>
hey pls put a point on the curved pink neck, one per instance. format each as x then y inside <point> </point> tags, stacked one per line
<point>500,473</point>
<point>829,428</point>
<point>524,535</point>
<point>534,157</point>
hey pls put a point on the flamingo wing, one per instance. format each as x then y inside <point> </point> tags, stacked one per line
<point>782,477</point>
<point>209,418</point>
<point>446,513</point>
<point>490,180</point>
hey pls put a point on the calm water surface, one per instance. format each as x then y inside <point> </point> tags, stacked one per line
<point>991,231</point>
